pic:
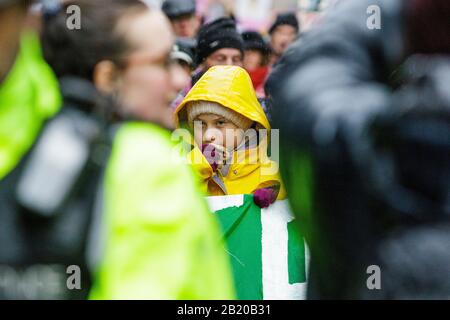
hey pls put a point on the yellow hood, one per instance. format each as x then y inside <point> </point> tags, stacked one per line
<point>229,86</point>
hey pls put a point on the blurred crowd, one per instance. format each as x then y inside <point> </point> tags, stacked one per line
<point>93,93</point>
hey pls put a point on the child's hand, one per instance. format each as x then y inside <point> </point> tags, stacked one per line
<point>215,155</point>
<point>265,197</point>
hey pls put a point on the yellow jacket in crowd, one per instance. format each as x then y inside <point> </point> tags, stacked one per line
<point>251,168</point>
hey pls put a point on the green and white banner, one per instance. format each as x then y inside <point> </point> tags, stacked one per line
<point>268,256</point>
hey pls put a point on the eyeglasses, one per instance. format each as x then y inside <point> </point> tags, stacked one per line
<point>141,60</point>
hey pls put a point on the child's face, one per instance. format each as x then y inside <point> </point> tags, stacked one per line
<point>217,130</point>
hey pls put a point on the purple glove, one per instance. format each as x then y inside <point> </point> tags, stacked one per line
<point>214,155</point>
<point>209,151</point>
<point>265,197</point>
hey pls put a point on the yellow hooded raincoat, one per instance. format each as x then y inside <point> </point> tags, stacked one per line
<point>251,169</point>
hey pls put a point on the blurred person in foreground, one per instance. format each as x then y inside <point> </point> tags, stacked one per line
<point>155,248</point>
<point>28,88</point>
<point>367,167</point>
<point>28,97</point>
<point>98,198</point>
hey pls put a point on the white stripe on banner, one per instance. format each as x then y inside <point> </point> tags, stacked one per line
<point>221,202</point>
<point>275,268</point>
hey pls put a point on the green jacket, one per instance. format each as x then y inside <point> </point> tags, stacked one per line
<point>161,240</point>
<point>28,96</point>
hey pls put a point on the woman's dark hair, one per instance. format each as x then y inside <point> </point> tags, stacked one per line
<point>77,52</point>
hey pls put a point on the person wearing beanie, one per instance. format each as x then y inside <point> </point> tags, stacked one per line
<point>183,17</point>
<point>218,43</point>
<point>283,32</point>
<point>256,59</point>
<point>228,149</point>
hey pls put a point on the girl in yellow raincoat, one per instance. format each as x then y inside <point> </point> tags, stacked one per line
<point>231,135</point>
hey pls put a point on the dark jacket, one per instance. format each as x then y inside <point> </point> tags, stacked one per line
<point>327,91</point>
<point>47,204</point>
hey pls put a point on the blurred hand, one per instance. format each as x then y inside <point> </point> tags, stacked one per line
<point>215,155</point>
<point>265,197</point>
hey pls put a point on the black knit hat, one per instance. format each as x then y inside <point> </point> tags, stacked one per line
<point>177,8</point>
<point>289,19</point>
<point>216,35</point>
<point>254,41</point>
